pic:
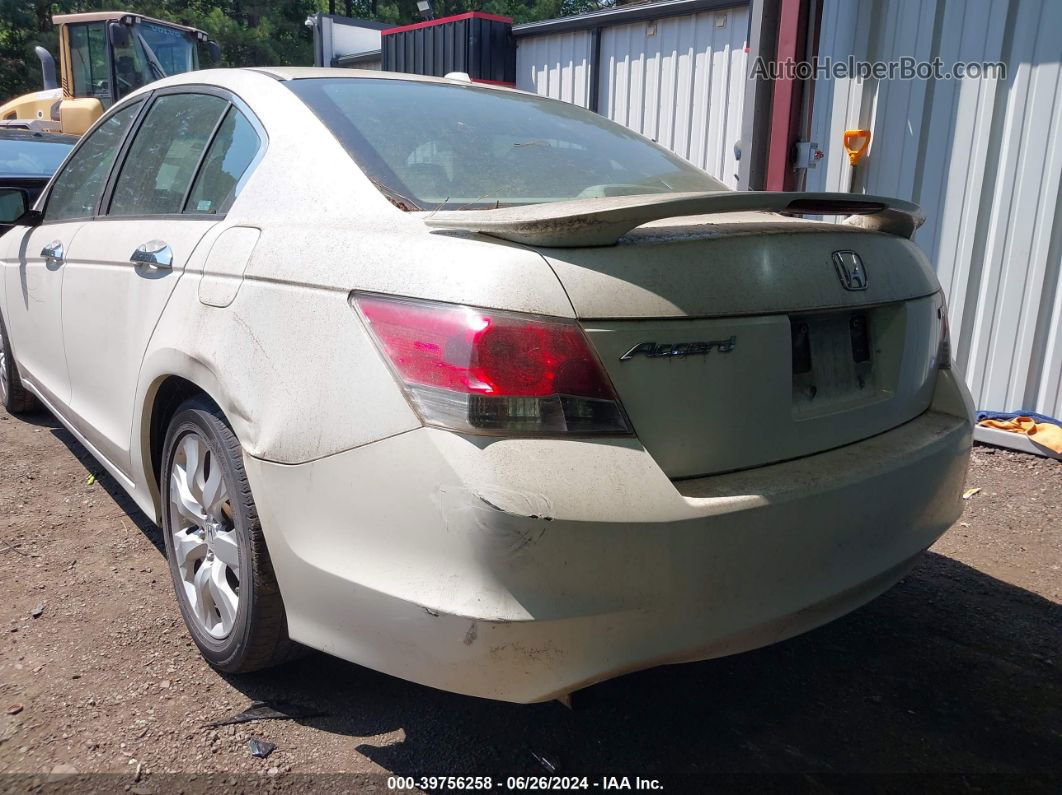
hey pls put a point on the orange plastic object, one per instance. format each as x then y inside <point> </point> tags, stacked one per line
<point>854,147</point>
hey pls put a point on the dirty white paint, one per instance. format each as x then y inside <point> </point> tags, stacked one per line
<point>607,583</point>
<point>984,159</point>
<point>506,567</point>
<point>678,80</point>
<point>603,221</point>
<point>225,265</point>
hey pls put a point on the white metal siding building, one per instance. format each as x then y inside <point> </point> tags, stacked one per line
<point>676,77</point>
<point>984,159</point>
<point>555,65</point>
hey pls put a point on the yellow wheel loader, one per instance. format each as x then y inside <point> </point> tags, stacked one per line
<point>103,56</point>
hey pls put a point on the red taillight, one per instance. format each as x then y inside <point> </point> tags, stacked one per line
<point>474,369</point>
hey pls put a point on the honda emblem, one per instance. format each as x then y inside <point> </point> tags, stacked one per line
<point>850,270</point>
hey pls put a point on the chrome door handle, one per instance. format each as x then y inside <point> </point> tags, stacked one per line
<point>155,254</point>
<point>53,252</point>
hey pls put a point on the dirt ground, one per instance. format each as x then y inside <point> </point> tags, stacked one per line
<point>952,678</point>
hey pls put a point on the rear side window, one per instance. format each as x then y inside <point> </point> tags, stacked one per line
<point>165,154</point>
<point>229,156</point>
<point>79,185</point>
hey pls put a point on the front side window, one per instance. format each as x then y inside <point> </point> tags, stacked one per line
<point>465,147</point>
<point>165,154</point>
<point>230,154</point>
<point>88,57</point>
<point>78,187</point>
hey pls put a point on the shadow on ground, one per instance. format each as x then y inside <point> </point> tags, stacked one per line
<point>952,671</point>
<point>93,467</point>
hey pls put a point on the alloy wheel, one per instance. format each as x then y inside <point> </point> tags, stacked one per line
<point>204,537</point>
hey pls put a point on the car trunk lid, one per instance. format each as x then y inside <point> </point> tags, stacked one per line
<point>743,338</point>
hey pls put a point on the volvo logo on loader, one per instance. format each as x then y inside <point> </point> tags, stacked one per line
<point>850,270</point>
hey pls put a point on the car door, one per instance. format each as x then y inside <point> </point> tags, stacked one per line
<point>35,265</point>
<point>165,196</point>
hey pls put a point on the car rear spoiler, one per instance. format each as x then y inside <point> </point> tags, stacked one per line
<point>603,221</point>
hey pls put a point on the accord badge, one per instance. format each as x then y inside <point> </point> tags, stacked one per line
<point>662,350</point>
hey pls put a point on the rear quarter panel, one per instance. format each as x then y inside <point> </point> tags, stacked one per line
<point>288,360</point>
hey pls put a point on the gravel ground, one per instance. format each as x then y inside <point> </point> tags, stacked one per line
<point>954,671</point>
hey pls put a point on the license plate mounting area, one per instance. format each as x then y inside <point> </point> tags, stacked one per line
<point>833,361</point>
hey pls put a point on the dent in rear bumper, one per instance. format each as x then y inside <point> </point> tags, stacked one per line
<point>498,569</point>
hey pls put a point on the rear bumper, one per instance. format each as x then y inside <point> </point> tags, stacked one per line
<point>524,569</point>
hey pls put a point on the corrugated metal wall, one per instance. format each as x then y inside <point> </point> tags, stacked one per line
<point>555,66</point>
<point>678,80</point>
<point>480,45</point>
<point>982,156</point>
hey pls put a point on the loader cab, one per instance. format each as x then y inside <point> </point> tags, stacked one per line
<point>107,56</point>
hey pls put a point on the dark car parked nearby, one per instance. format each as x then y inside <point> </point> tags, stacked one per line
<point>27,161</point>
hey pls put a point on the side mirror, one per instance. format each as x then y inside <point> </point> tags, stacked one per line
<point>13,204</point>
<point>30,218</point>
<point>118,35</point>
<point>215,51</point>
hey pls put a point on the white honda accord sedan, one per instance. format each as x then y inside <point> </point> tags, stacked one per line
<point>478,388</point>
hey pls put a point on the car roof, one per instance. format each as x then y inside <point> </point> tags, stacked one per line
<point>308,72</point>
<point>234,78</point>
<point>14,134</point>
<point>243,79</point>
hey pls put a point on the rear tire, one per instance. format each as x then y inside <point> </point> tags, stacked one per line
<point>13,395</point>
<point>217,553</point>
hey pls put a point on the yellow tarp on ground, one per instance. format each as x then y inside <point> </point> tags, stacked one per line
<point>1044,434</point>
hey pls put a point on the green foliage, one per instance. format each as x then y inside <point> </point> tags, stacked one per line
<point>250,32</point>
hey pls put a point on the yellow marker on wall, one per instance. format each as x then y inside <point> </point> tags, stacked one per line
<point>856,143</point>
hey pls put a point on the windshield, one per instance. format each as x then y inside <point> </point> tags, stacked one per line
<point>432,145</point>
<point>152,52</point>
<point>174,49</point>
<point>31,158</point>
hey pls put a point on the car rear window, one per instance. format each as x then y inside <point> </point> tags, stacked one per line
<point>437,145</point>
<point>31,158</point>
